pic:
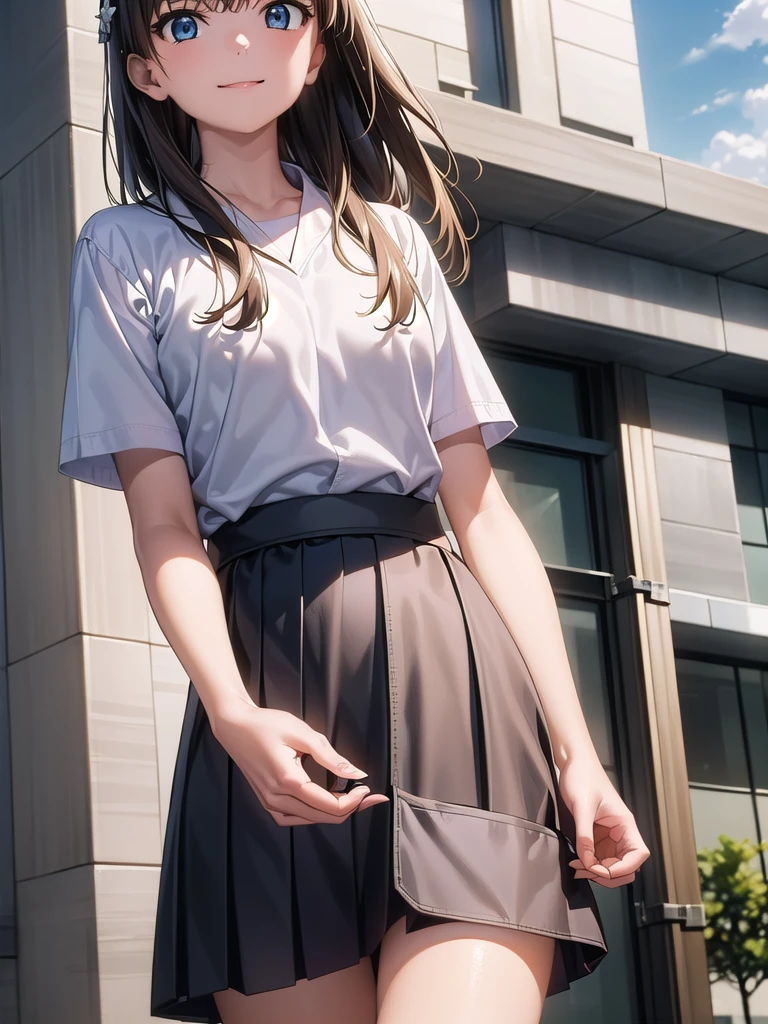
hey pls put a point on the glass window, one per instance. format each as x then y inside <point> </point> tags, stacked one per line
<point>725,728</point>
<point>610,998</point>
<point>546,470</point>
<point>714,743</point>
<point>716,812</point>
<point>582,630</point>
<point>547,397</point>
<point>739,424</point>
<point>486,51</point>
<point>754,692</point>
<point>756,560</point>
<point>749,496</point>
<point>760,421</point>
<point>748,437</point>
<point>549,494</point>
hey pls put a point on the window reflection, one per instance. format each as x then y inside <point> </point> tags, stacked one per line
<point>725,728</point>
<point>714,742</point>
<point>610,998</point>
<point>486,51</point>
<point>549,494</point>
<point>582,631</point>
<point>748,436</point>
<point>547,397</point>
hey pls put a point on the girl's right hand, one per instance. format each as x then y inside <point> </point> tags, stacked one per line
<point>267,745</point>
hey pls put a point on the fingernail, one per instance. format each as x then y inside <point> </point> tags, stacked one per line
<point>349,769</point>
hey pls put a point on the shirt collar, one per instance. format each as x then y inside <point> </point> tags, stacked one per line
<point>315,215</point>
<point>315,220</point>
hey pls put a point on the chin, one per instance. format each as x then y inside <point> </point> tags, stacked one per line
<point>243,124</point>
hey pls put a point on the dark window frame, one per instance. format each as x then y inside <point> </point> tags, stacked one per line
<point>751,402</point>
<point>598,450</point>
<point>686,654</point>
<point>504,45</point>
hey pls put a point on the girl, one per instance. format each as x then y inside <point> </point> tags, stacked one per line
<point>280,447</point>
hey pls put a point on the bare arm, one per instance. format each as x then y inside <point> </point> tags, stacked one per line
<point>186,598</point>
<point>496,547</point>
<point>501,555</point>
<point>179,579</point>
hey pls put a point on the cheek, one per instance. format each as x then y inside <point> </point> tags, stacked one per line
<point>187,62</point>
<point>289,57</point>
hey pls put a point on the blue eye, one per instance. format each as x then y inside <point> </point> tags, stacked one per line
<point>284,16</point>
<point>182,27</point>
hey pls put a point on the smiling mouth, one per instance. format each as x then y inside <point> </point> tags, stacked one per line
<point>241,85</point>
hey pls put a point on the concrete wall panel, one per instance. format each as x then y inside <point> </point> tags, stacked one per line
<point>49,749</point>
<point>58,963</point>
<point>416,56</point>
<point>38,511</point>
<point>696,490</point>
<point>126,898</point>
<point>688,417</point>
<point>594,30</point>
<point>555,276</point>
<point>705,561</point>
<point>445,24</point>
<point>601,90</point>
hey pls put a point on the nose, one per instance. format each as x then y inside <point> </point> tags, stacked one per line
<point>243,41</point>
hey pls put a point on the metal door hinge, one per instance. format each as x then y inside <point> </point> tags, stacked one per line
<point>656,593</point>
<point>690,916</point>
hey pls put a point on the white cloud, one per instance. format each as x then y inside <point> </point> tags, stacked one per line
<point>744,26</point>
<point>743,155</point>
<point>722,99</point>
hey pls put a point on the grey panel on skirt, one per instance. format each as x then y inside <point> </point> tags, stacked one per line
<point>387,644</point>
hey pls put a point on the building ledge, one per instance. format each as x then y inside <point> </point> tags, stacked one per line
<point>705,624</point>
<point>565,182</point>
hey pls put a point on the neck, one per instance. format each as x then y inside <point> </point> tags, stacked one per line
<point>246,169</point>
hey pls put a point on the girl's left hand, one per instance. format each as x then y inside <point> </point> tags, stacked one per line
<point>609,846</point>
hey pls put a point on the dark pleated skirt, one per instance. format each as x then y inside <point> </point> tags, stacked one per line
<point>343,611</point>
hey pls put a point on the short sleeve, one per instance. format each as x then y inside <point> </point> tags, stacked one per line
<point>114,398</point>
<point>465,391</point>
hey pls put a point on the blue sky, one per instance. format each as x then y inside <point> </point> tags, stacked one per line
<point>695,55</point>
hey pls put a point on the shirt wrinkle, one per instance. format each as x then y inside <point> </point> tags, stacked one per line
<point>257,413</point>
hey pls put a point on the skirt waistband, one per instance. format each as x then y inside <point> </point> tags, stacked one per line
<point>318,515</point>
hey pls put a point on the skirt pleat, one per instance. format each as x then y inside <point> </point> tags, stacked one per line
<point>247,904</point>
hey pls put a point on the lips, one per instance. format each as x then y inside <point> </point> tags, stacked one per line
<point>241,85</point>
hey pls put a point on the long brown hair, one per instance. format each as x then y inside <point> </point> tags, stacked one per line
<point>348,132</point>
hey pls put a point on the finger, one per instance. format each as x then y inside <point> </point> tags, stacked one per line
<point>584,820</point>
<point>319,747</point>
<point>342,806</point>
<point>629,863</point>
<point>370,801</point>
<point>295,783</point>
<point>289,819</point>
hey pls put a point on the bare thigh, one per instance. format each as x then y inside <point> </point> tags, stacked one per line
<point>344,997</point>
<point>462,973</point>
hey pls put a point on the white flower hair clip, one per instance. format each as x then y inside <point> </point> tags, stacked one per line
<point>105,21</point>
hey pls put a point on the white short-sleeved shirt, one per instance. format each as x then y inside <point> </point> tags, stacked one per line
<point>317,401</point>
